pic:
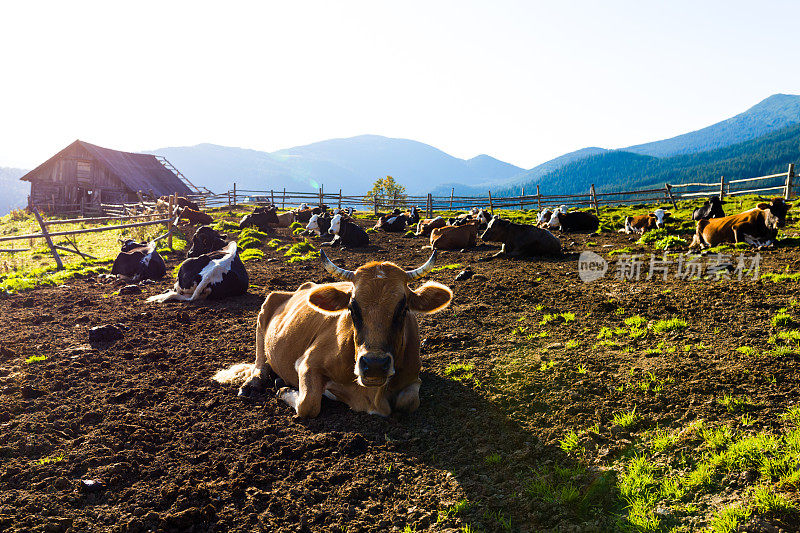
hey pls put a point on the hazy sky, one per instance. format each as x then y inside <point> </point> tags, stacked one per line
<point>522,81</point>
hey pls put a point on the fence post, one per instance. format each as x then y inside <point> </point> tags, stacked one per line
<point>521,204</point>
<point>721,187</point>
<point>376,205</point>
<point>170,215</point>
<point>283,202</point>
<point>594,199</point>
<point>229,200</point>
<point>59,264</point>
<point>430,205</point>
<point>234,193</point>
<point>340,198</point>
<point>789,175</point>
<point>668,188</point>
<point>272,196</point>
<point>320,196</point>
<point>491,204</point>
<point>538,198</point>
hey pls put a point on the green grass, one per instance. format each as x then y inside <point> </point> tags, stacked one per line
<point>452,266</point>
<point>251,254</point>
<point>570,442</point>
<point>51,459</point>
<point>736,403</point>
<point>458,508</point>
<point>653,236</point>
<point>747,350</point>
<point>225,226</point>
<point>671,324</point>
<point>670,242</point>
<point>627,419</point>
<point>781,277</point>
<point>493,459</point>
<point>35,359</point>
<point>783,320</point>
<point>620,251</point>
<point>635,321</point>
<point>21,280</point>
<point>460,371</point>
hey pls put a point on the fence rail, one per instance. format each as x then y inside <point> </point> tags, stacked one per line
<point>669,193</point>
<point>55,248</point>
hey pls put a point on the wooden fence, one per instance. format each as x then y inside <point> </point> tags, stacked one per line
<point>774,184</point>
<point>169,220</point>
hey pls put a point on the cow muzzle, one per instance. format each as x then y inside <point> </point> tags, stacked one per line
<point>374,369</point>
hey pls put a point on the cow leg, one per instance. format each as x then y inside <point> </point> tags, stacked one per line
<point>307,401</point>
<point>255,382</point>
<point>407,400</point>
<point>502,251</point>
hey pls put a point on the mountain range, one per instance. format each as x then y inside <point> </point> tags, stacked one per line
<point>352,164</point>
<point>761,140</point>
<point>15,192</point>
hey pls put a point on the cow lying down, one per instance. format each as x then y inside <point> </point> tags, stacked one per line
<point>213,275</point>
<point>356,341</point>
<point>138,261</point>
<point>758,226</point>
<point>521,239</point>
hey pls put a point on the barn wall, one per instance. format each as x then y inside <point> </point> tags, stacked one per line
<point>61,184</point>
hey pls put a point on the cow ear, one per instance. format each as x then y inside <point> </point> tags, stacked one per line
<point>667,214</point>
<point>328,299</point>
<point>430,298</point>
<point>762,205</point>
<point>788,206</point>
<point>652,215</point>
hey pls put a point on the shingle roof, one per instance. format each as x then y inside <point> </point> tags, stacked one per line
<point>139,172</point>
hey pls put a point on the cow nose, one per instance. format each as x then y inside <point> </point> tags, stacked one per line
<point>375,366</point>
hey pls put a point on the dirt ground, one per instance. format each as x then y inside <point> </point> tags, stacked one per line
<point>176,452</point>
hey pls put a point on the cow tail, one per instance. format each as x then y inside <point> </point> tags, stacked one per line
<point>235,375</point>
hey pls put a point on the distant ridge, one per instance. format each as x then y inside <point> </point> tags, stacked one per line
<point>353,164</point>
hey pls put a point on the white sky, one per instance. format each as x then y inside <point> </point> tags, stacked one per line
<point>521,81</point>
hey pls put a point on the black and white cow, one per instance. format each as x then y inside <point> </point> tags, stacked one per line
<point>138,261</point>
<point>319,225</point>
<point>206,240</point>
<point>712,208</point>
<point>412,216</point>
<point>347,233</point>
<point>209,272</point>
<point>573,221</point>
<point>394,222</point>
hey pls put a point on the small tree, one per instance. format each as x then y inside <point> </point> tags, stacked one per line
<point>386,192</point>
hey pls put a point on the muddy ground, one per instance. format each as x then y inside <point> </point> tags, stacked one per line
<point>176,452</point>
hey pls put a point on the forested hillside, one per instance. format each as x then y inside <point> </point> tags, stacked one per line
<point>621,170</point>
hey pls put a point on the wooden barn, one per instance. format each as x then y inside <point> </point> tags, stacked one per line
<point>83,176</point>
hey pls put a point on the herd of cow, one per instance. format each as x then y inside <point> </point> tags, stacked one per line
<point>357,340</point>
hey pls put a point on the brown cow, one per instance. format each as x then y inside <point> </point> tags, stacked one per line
<point>195,217</point>
<point>424,227</point>
<point>182,202</point>
<point>455,237</point>
<point>286,219</point>
<point>758,226</point>
<point>645,223</point>
<point>356,341</point>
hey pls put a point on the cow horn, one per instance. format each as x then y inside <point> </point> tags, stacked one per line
<point>336,272</point>
<point>417,273</point>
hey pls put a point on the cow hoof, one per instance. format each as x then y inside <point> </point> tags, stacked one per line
<point>251,388</point>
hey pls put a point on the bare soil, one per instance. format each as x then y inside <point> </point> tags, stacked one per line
<point>176,452</point>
